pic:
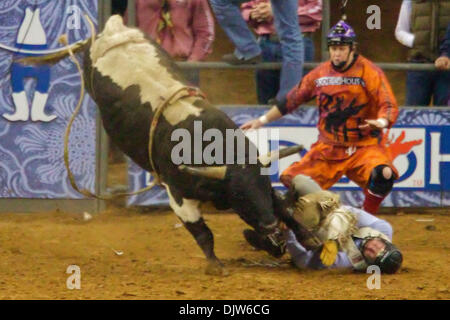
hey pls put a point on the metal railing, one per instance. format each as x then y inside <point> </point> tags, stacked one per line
<point>389,66</point>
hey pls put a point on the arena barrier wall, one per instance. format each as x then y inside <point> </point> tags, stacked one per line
<point>421,137</point>
<point>31,148</point>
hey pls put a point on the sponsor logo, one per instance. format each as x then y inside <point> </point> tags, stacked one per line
<point>338,81</point>
<point>420,155</point>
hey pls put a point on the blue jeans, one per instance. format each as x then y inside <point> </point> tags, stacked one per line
<point>286,24</point>
<point>422,85</point>
<point>268,81</point>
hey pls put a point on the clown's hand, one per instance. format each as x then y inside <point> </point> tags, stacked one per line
<point>377,124</point>
<point>329,252</point>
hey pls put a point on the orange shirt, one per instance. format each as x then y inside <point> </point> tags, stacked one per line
<point>346,99</point>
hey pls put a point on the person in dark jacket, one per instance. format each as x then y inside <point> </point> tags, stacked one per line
<point>421,27</point>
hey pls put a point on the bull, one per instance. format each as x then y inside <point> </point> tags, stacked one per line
<point>129,76</point>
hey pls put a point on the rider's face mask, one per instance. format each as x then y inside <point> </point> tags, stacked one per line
<point>373,248</point>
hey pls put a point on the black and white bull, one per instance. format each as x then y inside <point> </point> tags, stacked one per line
<point>128,76</point>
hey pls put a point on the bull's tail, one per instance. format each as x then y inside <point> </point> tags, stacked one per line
<point>53,58</point>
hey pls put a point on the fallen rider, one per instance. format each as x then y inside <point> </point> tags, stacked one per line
<point>350,237</point>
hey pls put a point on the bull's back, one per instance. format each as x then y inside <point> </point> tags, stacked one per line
<point>125,119</point>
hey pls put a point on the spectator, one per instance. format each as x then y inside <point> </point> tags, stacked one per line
<point>421,27</point>
<point>247,49</point>
<point>184,28</point>
<point>443,62</point>
<point>259,16</point>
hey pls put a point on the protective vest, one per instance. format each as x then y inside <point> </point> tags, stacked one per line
<point>429,20</point>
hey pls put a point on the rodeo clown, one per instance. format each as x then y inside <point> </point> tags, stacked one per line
<point>355,104</point>
<point>346,237</point>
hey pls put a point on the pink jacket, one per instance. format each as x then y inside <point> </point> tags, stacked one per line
<point>309,16</point>
<point>193,27</point>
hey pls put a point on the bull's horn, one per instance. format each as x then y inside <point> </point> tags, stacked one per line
<point>208,172</point>
<point>266,159</point>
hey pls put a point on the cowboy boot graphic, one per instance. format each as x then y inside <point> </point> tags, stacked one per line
<point>31,37</point>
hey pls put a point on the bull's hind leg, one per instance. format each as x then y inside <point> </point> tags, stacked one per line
<point>188,211</point>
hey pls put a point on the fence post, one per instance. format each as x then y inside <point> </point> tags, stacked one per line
<point>131,13</point>
<point>325,28</point>
<point>102,140</point>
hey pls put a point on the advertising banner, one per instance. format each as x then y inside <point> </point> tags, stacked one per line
<point>419,143</point>
<point>37,101</point>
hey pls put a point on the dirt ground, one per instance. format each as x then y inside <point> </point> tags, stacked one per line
<point>160,260</point>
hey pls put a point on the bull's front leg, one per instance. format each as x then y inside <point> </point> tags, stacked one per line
<point>205,240</point>
<point>188,211</point>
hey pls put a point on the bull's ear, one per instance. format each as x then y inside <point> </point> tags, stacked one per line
<point>208,172</point>
<point>266,159</point>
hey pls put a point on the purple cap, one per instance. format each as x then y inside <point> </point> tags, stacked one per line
<point>341,33</point>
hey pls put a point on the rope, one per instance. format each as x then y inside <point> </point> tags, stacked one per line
<point>71,177</point>
<point>189,92</point>
<point>85,192</point>
<point>93,35</point>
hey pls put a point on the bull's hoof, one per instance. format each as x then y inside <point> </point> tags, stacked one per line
<point>216,268</point>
